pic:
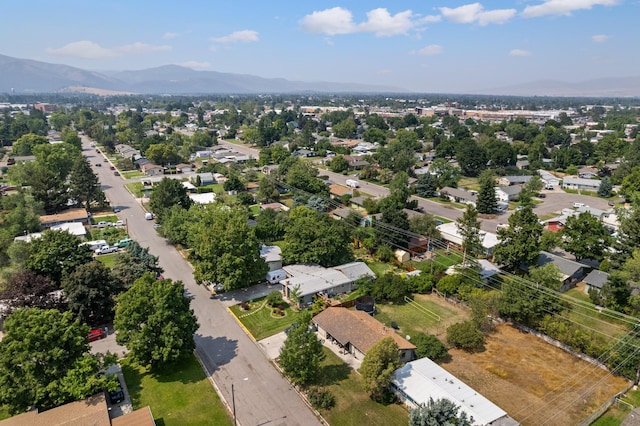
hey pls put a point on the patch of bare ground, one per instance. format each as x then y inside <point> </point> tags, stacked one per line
<point>533,381</point>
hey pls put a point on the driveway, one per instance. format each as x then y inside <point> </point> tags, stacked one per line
<point>108,344</point>
<point>234,297</point>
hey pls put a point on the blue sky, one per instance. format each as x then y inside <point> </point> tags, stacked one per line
<point>427,46</point>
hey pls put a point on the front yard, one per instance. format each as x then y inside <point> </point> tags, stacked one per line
<point>260,321</point>
<point>179,395</point>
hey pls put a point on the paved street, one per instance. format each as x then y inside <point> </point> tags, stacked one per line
<point>262,396</point>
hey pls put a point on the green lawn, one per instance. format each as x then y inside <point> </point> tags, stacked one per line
<point>103,218</point>
<point>353,405</point>
<point>618,412</point>
<point>260,323</point>
<point>255,209</point>
<point>132,174</point>
<point>136,188</point>
<point>215,187</point>
<point>447,202</point>
<point>181,395</point>
<point>379,268</point>
<point>469,183</point>
<point>420,316</point>
<point>107,259</point>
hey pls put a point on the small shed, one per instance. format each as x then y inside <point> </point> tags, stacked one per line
<point>595,280</point>
<point>402,256</point>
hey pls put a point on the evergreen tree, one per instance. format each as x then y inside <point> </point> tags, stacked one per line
<point>440,412</point>
<point>469,227</point>
<point>520,241</point>
<point>604,190</point>
<point>426,186</point>
<point>487,202</point>
<point>84,185</point>
<point>301,354</point>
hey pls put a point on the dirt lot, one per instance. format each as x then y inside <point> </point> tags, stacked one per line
<point>536,383</point>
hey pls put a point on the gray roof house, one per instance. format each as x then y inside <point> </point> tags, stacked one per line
<point>459,196</point>
<point>513,180</point>
<point>205,178</point>
<point>595,280</point>
<point>508,193</point>
<point>571,182</point>
<point>571,271</point>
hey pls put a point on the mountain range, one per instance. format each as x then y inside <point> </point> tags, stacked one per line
<point>22,76</point>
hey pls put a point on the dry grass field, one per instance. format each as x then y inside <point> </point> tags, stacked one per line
<point>533,381</point>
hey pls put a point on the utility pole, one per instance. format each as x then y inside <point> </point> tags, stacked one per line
<point>233,404</point>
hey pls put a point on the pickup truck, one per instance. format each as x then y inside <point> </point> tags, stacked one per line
<point>106,250</point>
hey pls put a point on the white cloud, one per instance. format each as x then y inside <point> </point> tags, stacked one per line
<point>519,52</point>
<point>563,7</point>
<point>497,16</point>
<point>430,19</point>
<point>475,13</point>
<point>599,38</point>
<point>245,36</point>
<point>169,36</point>
<point>196,65</point>
<point>383,24</point>
<point>89,50</point>
<point>432,49</point>
<point>379,21</point>
<point>462,15</point>
<point>329,21</point>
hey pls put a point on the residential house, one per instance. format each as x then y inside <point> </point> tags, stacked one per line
<point>416,382</point>
<point>73,228</point>
<point>341,213</point>
<point>270,169</point>
<point>72,215</point>
<point>205,178</point>
<point>357,332</point>
<point>450,233</point>
<point>306,153</point>
<point>273,256</point>
<point>151,169</point>
<point>190,187</point>
<point>90,411</point>
<point>548,179</point>
<point>577,183</point>
<point>595,280</point>
<point>312,280</point>
<point>507,193</point>
<point>184,168</point>
<point>556,224</point>
<point>358,202</point>
<point>356,162</point>
<point>219,178</point>
<point>252,186</point>
<point>459,195</point>
<point>522,164</point>
<point>571,271</point>
<point>513,180</point>
<point>338,191</point>
<point>588,172</point>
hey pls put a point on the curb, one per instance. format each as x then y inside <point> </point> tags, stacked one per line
<point>241,325</point>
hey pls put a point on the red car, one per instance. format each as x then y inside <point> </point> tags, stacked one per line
<point>96,334</point>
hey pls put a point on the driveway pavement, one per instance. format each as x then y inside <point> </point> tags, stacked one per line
<point>108,344</point>
<point>234,297</point>
<point>124,407</point>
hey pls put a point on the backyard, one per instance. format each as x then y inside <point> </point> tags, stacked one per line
<point>179,395</point>
<point>353,405</point>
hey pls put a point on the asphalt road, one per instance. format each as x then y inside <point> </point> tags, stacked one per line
<point>230,357</point>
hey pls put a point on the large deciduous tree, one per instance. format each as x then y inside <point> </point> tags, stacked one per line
<point>56,253</point>
<point>26,289</point>
<point>585,237</point>
<point>313,237</point>
<point>378,366</point>
<point>155,322</point>
<point>25,143</point>
<point>90,292</point>
<point>225,249</point>
<point>45,361</point>
<point>520,241</point>
<point>168,193</point>
<point>301,354</point>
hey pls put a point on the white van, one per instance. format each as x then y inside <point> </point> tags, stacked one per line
<point>578,205</point>
<point>274,277</point>
<point>353,183</point>
<point>148,216</point>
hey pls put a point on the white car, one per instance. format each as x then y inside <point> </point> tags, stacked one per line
<point>106,250</point>
<point>118,223</point>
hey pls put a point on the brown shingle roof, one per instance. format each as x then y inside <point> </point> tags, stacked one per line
<point>339,190</point>
<point>140,417</point>
<point>91,411</point>
<point>358,328</point>
<point>66,216</point>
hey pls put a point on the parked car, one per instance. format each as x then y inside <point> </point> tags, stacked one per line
<point>118,223</point>
<point>542,195</point>
<point>123,242</point>
<point>103,224</point>
<point>106,160</point>
<point>116,174</point>
<point>96,334</point>
<point>112,168</point>
<point>116,396</point>
<point>98,164</point>
<point>116,209</point>
<point>106,250</point>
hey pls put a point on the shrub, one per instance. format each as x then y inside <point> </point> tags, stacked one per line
<point>274,298</point>
<point>321,398</point>
<point>422,283</point>
<point>245,306</point>
<point>429,346</point>
<point>465,335</point>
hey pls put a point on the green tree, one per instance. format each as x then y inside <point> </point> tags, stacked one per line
<point>338,164</point>
<point>168,193</point>
<point>48,188</point>
<point>471,157</point>
<point>301,353</point>
<point>25,143</point>
<point>628,238</point>
<point>133,263</point>
<point>378,366</point>
<point>233,183</point>
<point>547,275</point>
<point>440,412</point>
<point>303,175</point>
<point>26,289</point>
<point>154,321</point>
<point>56,253</point>
<point>345,128</point>
<point>469,227</point>
<point>585,237</point>
<point>84,185</point>
<point>45,361</point>
<point>163,154</point>
<point>225,249</point>
<point>271,225</point>
<point>425,225</point>
<point>71,137</point>
<point>429,346</point>
<point>525,303</point>
<point>445,173</point>
<point>313,237</point>
<point>465,335</point>
<point>487,202</point>
<point>90,292</point>
<point>426,186</point>
<point>605,188</point>
<point>267,191</point>
<point>520,241</point>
